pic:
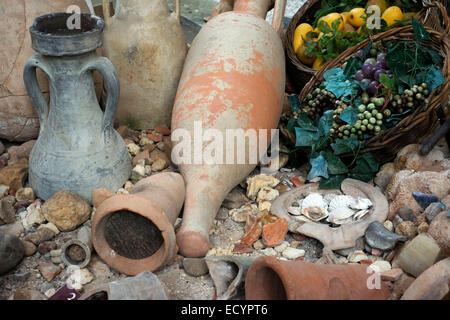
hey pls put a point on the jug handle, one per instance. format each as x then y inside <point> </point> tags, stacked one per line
<point>278,15</point>
<point>33,89</point>
<point>111,79</point>
<point>105,7</point>
<point>177,10</point>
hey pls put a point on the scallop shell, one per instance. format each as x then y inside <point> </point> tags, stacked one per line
<point>303,218</point>
<point>361,204</point>
<point>360,214</point>
<point>340,201</point>
<point>339,214</point>
<point>328,197</point>
<point>296,211</point>
<point>314,207</point>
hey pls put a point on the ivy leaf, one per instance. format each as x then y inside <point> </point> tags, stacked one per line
<point>294,102</point>
<point>326,122</point>
<point>305,138</point>
<point>333,182</point>
<point>291,124</point>
<point>365,164</point>
<point>349,115</point>
<point>390,83</point>
<point>342,146</point>
<point>335,164</point>
<point>434,78</point>
<point>366,177</point>
<point>305,123</point>
<point>321,143</point>
<point>336,82</point>
<point>318,168</point>
<point>352,66</point>
<point>419,31</point>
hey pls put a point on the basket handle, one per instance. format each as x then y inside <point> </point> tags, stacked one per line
<point>424,12</point>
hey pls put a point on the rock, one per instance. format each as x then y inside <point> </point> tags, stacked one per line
<point>420,219</point>
<point>424,200</point>
<point>418,255</point>
<point>142,156</point>
<point>79,277</point>
<point>2,148</point>
<point>23,151</point>
<point>235,199</point>
<point>384,176</point>
<point>267,193</point>
<point>405,182</point>
<point>380,266</point>
<point>389,225</point>
<point>154,136</point>
<point>293,253</point>
<point>162,130</point>
<point>258,245</point>
<point>242,248</point>
<point>255,183</point>
<point>440,230</point>
<point>4,191</point>
<point>406,214</point>
<point>356,256</point>
<point>56,260</point>
<point>391,274</point>
<point>40,235</point>
<point>46,246</point>
<point>11,252</point>
<point>25,194</point>
<point>240,215</point>
<point>50,226</point>
<point>29,247</point>
<point>32,217</point>
<point>145,141</point>
<point>138,172</point>
<point>397,220</point>
<point>55,253</point>
<point>328,257</point>
<point>281,247</point>
<point>264,205</point>
<point>195,266</point>
<point>49,271</point>
<point>14,175</point>
<point>133,149</point>
<point>159,164</point>
<point>377,236</point>
<point>274,233</point>
<point>15,229</point>
<point>406,228</point>
<point>28,294</point>
<point>269,252</point>
<point>410,158</point>
<point>432,211</point>
<point>66,210</point>
<point>252,230</point>
<point>423,227</point>
<point>161,146</point>
<point>7,212</point>
<point>401,285</point>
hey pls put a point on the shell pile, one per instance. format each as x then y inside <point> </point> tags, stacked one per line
<point>336,209</point>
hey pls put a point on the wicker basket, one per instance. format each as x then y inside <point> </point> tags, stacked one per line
<point>416,126</point>
<point>299,73</point>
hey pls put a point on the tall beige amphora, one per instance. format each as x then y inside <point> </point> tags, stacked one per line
<point>146,44</point>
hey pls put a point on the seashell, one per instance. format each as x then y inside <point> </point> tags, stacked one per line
<point>328,197</point>
<point>361,204</point>
<point>296,211</point>
<point>303,218</point>
<point>339,214</point>
<point>314,207</point>
<point>360,214</point>
<point>341,201</point>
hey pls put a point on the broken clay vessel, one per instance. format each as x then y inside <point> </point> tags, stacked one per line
<point>271,279</point>
<point>78,149</point>
<point>77,251</point>
<point>134,232</point>
<point>18,119</point>
<point>233,78</point>
<point>146,44</point>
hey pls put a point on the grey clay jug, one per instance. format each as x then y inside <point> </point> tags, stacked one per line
<point>77,149</point>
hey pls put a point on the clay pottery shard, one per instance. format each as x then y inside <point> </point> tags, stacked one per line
<point>432,284</point>
<point>252,230</point>
<point>228,274</point>
<point>271,279</point>
<point>377,236</point>
<point>144,286</point>
<point>134,232</point>
<point>11,252</point>
<point>274,233</point>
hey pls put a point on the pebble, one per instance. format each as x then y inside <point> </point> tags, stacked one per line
<point>133,149</point>
<point>356,256</point>
<point>392,274</point>
<point>48,270</point>
<point>379,237</point>
<point>46,247</point>
<point>4,190</point>
<point>424,200</point>
<point>56,260</point>
<point>162,130</point>
<point>258,245</point>
<point>79,277</point>
<point>432,211</point>
<point>269,252</point>
<point>423,227</point>
<point>406,228</point>
<point>7,212</point>
<point>389,225</point>
<point>159,164</point>
<point>145,141</point>
<point>281,247</point>
<point>255,183</point>
<point>406,214</point>
<point>195,266</point>
<point>440,230</point>
<point>30,248</point>
<point>234,199</point>
<point>267,193</point>
<point>49,226</point>
<point>264,205</point>
<point>240,215</point>
<point>138,172</point>
<point>32,217</point>
<point>25,194</point>
<point>380,266</point>
<point>293,253</point>
<point>384,176</point>
<point>396,221</point>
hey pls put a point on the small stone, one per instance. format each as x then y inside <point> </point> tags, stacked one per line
<point>392,274</point>
<point>389,225</point>
<point>421,218</point>
<point>55,253</point>
<point>25,194</point>
<point>32,217</point>
<point>384,176</point>
<point>401,285</point>
<point>356,256</point>
<point>50,292</point>
<point>14,175</point>
<point>269,252</point>
<point>161,146</point>
<point>195,266</point>
<point>56,260</point>
<point>30,248</point>
<point>397,220</point>
<point>162,130</point>
<point>235,199</point>
<point>7,212</point>
<point>294,244</point>
<point>267,193</point>
<point>133,149</point>
<point>122,191</point>
<point>23,151</point>
<point>380,266</point>
<point>159,164</point>
<point>138,172</point>
<point>15,228</point>
<point>423,227</point>
<point>264,205</point>
<point>258,245</point>
<point>145,141</point>
<point>440,230</point>
<point>379,237</point>
<point>11,252</point>
<point>424,200</point>
<point>240,215</point>
<point>281,247</point>
<point>4,190</point>
<point>242,248</point>
<point>122,130</point>
<point>376,252</point>
<point>79,277</point>
<point>274,233</point>
<point>406,228</point>
<point>406,214</point>
<point>293,253</point>
<point>296,181</point>
<point>46,246</point>
<point>39,236</point>
<point>255,183</point>
<point>50,226</point>
<point>432,211</point>
<point>142,156</point>
<point>154,136</point>
<point>48,270</point>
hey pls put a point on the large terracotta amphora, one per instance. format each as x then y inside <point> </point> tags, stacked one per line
<point>233,78</point>
<point>78,149</point>
<point>146,44</point>
<point>18,119</point>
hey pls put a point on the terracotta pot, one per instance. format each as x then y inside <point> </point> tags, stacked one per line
<point>233,78</point>
<point>271,279</point>
<point>18,119</point>
<point>134,232</point>
<point>147,45</point>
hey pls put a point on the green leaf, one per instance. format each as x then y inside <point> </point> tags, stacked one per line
<point>365,164</point>
<point>390,83</point>
<point>419,31</point>
<point>335,164</point>
<point>342,146</point>
<point>363,177</point>
<point>336,82</point>
<point>349,115</point>
<point>323,27</point>
<point>352,66</point>
<point>305,123</point>
<point>318,168</point>
<point>305,138</point>
<point>326,122</point>
<point>294,102</point>
<point>291,124</point>
<point>335,24</point>
<point>333,182</point>
<point>434,78</point>
<point>320,144</point>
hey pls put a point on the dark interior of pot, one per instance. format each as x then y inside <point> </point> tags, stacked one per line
<point>131,235</point>
<point>75,254</point>
<point>101,295</point>
<point>60,24</point>
<point>271,287</point>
